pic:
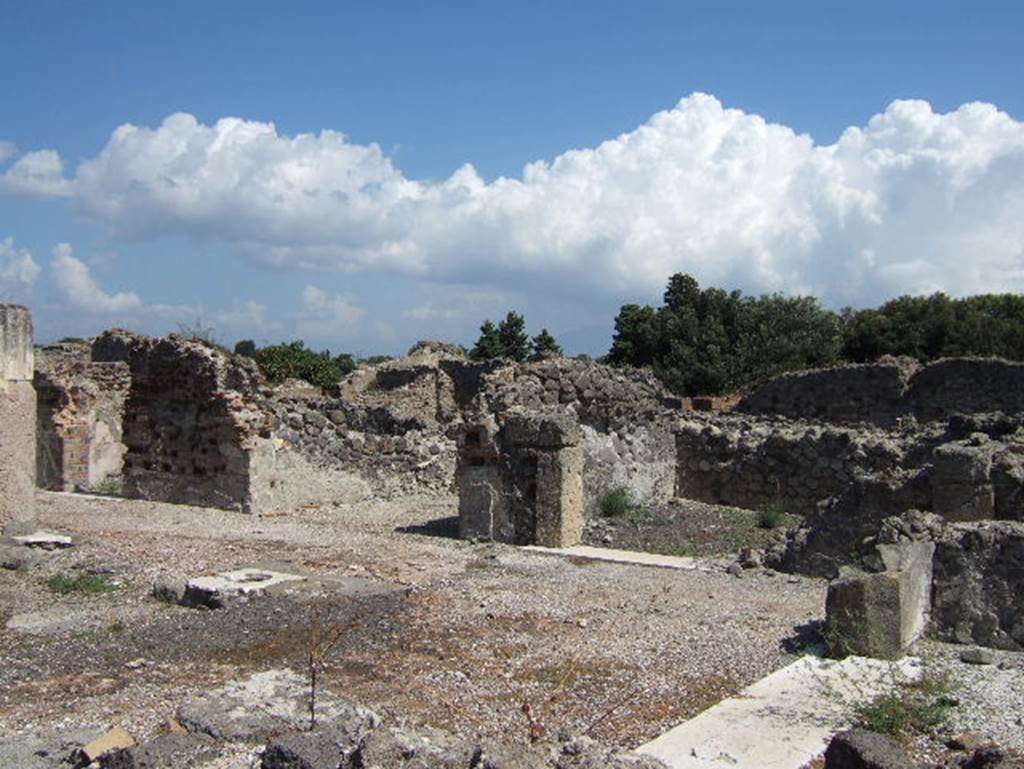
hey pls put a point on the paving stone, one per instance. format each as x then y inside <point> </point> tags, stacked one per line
<point>265,704</point>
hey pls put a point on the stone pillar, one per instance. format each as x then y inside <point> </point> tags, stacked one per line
<point>17,415</point>
<point>881,614</point>
<point>523,485</point>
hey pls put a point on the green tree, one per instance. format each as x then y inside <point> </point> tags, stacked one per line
<point>488,345</point>
<point>544,346</point>
<point>515,343</point>
<point>246,347</point>
<point>636,336</point>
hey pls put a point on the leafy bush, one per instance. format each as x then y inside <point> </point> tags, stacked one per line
<point>708,341</point>
<point>284,361</point>
<point>245,347</point>
<point>620,502</point>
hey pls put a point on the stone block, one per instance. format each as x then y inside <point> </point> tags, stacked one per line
<point>961,480</point>
<point>881,614</point>
<point>863,749</point>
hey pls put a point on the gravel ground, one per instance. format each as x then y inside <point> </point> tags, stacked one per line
<point>469,636</point>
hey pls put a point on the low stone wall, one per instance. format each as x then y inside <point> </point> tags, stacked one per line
<point>80,415</point>
<point>753,463</point>
<point>394,455</point>
<point>966,386</point>
<point>892,391</point>
<point>846,480</point>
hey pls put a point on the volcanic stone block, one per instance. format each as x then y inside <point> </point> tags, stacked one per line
<point>881,614</point>
<point>524,484</point>
<point>961,479</point>
<point>17,415</point>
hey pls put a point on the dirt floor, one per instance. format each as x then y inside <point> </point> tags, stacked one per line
<point>484,640</point>
<point>462,636</point>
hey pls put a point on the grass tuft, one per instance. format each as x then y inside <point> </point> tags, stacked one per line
<point>621,502</point>
<point>64,584</point>
<point>772,515</point>
<point>916,707</point>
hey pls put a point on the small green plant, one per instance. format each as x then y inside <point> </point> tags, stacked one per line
<point>111,486</point>
<point>64,584</point>
<point>772,515</point>
<point>621,502</point>
<point>913,707</point>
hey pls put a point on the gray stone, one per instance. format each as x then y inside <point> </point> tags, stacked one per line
<point>881,614</point>
<point>978,584</point>
<point>16,557</point>
<point>166,751</point>
<point>214,591</point>
<point>862,749</point>
<point>57,750</point>
<point>978,656</point>
<point>44,540</point>
<point>265,704</point>
<point>170,588</point>
<point>326,748</point>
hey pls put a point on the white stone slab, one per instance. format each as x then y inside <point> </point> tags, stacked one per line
<point>629,557</point>
<point>242,581</point>
<point>782,721</point>
<point>47,540</point>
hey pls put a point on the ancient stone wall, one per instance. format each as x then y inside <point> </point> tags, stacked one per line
<point>752,463</point>
<point>191,418</point>
<point>846,480</point>
<point>626,417</point>
<point>79,419</point>
<point>524,483</point>
<point>394,454</point>
<point>966,386</point>
<point>978,584</point>
<point>17,415</point>
<point>892,390</point>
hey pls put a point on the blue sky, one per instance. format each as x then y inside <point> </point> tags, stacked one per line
<point>767,146</point>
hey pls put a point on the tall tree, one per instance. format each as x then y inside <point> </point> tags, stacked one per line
<point>488,345</point>
<point>515,343</point>
<point>544,346</point>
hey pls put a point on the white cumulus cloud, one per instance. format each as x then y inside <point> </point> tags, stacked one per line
<point>323,315</point>
<point>18,270</point>
<point>81,290</point>
<point>34,174</point>
<point>912,201</point>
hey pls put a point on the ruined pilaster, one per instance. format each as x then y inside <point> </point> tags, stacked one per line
<point>523,485</point>
<point>17,415</point>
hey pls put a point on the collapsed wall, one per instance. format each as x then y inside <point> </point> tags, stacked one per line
<point>79,419</point>
<point>893,390</point>
<point>189,420</point>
